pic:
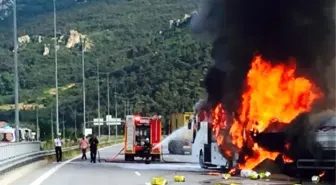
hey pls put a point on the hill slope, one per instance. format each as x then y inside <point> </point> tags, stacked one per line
<point>156,67</point>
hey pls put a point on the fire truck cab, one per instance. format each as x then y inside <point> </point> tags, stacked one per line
<point>137,130</point>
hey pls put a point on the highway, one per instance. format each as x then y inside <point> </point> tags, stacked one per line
<point>86,173</point>
<point>76,171</point>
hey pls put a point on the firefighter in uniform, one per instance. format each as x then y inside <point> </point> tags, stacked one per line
<point>147,150</point>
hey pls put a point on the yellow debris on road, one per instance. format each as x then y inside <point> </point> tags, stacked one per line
<point>264,175</point>
<point>254,176</point>
<point>226,176</point>
<point>158,181</point>
<point>179,178</point>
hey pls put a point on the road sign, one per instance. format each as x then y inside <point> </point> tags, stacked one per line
<point>112,121</point>
<point>97,121</point>
<point>88,131</point>
<point>108,119</point>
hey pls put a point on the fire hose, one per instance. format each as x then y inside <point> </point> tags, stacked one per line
<point>165,161</point>
<point>114,157</point>
<point>162,156</point>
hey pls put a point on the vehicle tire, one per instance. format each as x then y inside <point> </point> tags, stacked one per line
<point>176,147</point>
<point>156,157</point>
<point>129,157</point>
<point>179,147</point>
<point>224,169</point>
<point>171,146</point>
<point>201,160</point>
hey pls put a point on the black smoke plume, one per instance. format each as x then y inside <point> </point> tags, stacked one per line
<point>276,29</point>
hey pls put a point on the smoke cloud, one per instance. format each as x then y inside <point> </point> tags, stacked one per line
<point>277,29</point>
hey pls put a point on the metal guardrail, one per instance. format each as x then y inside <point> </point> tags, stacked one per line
<point>13,150</point>
<point>16,160</point>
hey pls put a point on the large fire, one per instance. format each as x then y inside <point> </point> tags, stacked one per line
<point>273,94</point>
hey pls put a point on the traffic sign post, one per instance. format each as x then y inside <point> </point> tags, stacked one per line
<point>113,121</point>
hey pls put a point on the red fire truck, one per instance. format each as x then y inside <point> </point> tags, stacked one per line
<point>137,130</point>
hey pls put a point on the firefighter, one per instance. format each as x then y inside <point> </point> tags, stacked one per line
<point>147,150</point>
<point>93,148</point>
<point>58,147</point>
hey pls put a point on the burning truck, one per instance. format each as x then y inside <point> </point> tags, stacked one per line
<point>271,90</point>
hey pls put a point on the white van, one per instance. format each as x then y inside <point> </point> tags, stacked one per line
<point>7,134</point>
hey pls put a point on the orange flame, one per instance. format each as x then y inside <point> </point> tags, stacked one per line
<point>273,94</point>
<point>322,174</point>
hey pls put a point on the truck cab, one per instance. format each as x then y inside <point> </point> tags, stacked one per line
<point>205,150</point>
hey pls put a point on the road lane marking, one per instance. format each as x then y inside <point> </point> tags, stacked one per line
<point>137,173</point>
<point>47,174</point>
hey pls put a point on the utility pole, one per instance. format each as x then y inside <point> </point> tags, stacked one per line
<point>98,89</point>
<point>125,107</point>
<point>63,127</point>
<point>115,108</point>
<point>37,125</point>
<point>128,107</point>
<point>16,74</point>
<point>76,123</point>
<point>108,103</point>
<point>83,88</point>
<point>56,72</point>
<point>52,125</point>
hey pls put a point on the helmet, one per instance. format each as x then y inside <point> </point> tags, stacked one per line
<point>147,140</point>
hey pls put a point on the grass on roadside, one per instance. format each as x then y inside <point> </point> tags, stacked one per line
<point>49,145</point>
<point>73,153</point>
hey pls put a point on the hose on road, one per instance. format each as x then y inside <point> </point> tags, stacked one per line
<point>114,157</point>
<point>165,161</point>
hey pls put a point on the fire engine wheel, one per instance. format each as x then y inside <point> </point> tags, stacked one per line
<point>201,160</point>
<point>129,157</point>
<point>156,157</point>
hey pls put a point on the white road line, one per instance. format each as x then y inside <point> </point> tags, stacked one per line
<point>137,173</point>
<point>47,174</point>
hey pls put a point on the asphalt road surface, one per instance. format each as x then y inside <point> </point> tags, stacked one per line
<point>120,173</point>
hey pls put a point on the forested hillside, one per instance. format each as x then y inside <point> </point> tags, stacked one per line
<point>157,67</point>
